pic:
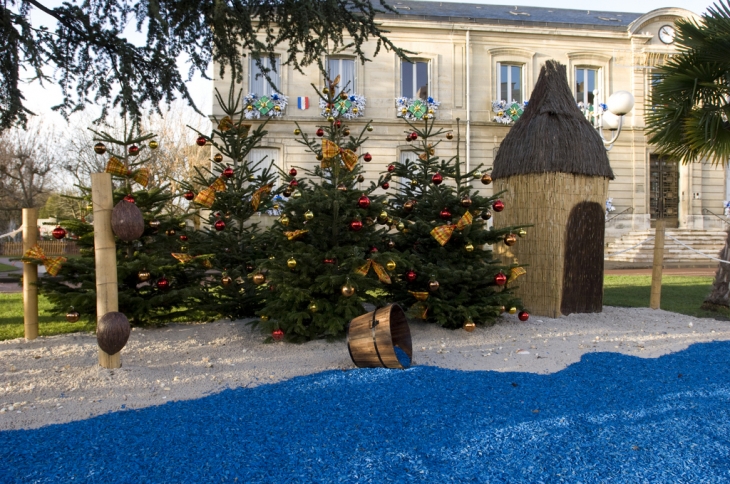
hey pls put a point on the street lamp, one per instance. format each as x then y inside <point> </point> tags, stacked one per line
<point>612,117</point>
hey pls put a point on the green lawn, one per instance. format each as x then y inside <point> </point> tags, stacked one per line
<point>680,294</point>
<point>11,318</point>
<point>8,268</point>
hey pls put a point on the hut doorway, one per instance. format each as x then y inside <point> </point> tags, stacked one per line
<point>664,190</point>
<point>583,266</point>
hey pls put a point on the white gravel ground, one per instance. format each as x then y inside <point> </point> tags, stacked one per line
<point>57,379</point>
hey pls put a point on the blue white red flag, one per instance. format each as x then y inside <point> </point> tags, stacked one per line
<point>303,102</point>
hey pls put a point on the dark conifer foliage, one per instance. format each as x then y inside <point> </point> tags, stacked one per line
<point>96,63</point>
<point>453,278</point>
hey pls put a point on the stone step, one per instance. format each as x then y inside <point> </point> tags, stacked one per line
<point>708,242</point>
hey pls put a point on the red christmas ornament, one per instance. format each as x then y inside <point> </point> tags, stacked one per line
<point>277,334</point>
<point>363,202</point>
<point>184,238</point>
<point>356,225</point>
<point>391,168</point>
<point>201,141</point>
<point>414,136</point>
<point>129,198</point>
<point>133,150</point>
<point>374,249</point>
<point>445,214</point>
<point>320,132</point>
<point>293,183</point>
<point>162,283</point>
<point>293,172</point>
<point>500,279</point>
<point>228,172</point>
<point>189,195</point>
<point>437,179</point>
<point>385,185</point>
<point>329,261</point>
<point>523,315</point>
<point>367,157</point>
<point>410,276</point>
<point>59,232</point>
<point>498,206</point>
<point>338,123</point>
<point>220,225</point>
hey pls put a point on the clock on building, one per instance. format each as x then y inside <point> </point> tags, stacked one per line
<point>666,34</point>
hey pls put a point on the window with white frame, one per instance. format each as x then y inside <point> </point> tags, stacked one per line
<point>586,81</point>
<point>258,84</point>
<point>414,80</point>
<point>260,159</point>
<point>345,68</point>
<point>406,155</point>
<point>509,82</point>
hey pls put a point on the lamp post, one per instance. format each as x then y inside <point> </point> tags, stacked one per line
<point>619,104</point>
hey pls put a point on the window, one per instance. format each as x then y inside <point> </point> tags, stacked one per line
<point>260,159</point>
<point>509,82</point>
<point>586,81</point>
<point>258,84</point>
<point>345,68</point>
<point>408,156</point>
<point>414,80</point>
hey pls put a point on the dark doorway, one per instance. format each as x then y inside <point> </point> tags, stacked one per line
<point>664,190</point>
<point>583,266</point>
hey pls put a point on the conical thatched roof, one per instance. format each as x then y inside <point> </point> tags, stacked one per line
<point>552,135</point>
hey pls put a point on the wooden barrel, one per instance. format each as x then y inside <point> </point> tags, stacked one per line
<point>380,339</point>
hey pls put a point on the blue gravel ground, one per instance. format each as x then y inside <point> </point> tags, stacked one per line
<point>608,418</point>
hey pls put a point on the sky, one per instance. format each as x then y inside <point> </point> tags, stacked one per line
<point>39,99</point>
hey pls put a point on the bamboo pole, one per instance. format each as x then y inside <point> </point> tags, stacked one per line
<point>105,255</point>
<point>30,275</point>
<point>656,272</point>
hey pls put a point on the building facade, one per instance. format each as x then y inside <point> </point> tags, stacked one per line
<point>469,56</point>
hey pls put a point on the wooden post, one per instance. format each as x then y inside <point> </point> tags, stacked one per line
<point>30,275</point>
<point>656,273</point>
<point>105,254</point>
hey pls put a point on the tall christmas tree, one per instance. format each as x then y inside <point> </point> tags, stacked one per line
<point>330,250</point>
<point>158,280</point>
<point>233,190</point>
<point>454,280</point>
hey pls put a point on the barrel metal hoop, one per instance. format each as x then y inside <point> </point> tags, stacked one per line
<point>375,343</point>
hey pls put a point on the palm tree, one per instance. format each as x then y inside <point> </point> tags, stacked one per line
<point>688,115</point>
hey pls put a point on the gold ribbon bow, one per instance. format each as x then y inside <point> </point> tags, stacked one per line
<point>379,270</point>
<point>419,295</point>
<point>420,309</point>
<point>296,234</point>
<point>52,264</point>
<point>185,258</point>
<point>330,150</point>
<point>442,233</point>
<point>226,124</point>
<point>207,197</point>
<point>256,197</point>
<point>116,167</point>
<point>515,272</point>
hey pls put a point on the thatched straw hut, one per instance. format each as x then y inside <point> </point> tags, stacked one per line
<point>555,171</point>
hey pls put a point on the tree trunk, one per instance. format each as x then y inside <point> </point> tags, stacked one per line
<point>720,294</point>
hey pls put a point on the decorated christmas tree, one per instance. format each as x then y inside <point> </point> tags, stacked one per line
<point>330,249</point>
<point>232,192</point>
<point>158,278</point>
<point>442,223</point>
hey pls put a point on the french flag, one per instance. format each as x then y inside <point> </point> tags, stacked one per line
<point>303,102</point>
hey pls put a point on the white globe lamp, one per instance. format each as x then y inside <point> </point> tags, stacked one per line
<point>620,102</point>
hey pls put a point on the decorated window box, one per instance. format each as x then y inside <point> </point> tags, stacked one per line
<point>506,112</point>
<point>416,109</point>
<point>272,105</point>
<point>348,106</point>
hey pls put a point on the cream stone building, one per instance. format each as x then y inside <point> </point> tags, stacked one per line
<point>467,56</point>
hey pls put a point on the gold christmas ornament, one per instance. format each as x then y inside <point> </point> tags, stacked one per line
<point>469,326</point>
<point>342,187</point>
<point>154,145</point>
<point>469,247</point>
<point>414,183</point>
<point>309,215</point>
<point>369,128</point>
<point>264,317</point>
<point>512,310</point>
<point>313,307</point>
<point>143,275</point>
<point>259,278</point>
<point>72,316</point>
<point>218,158</point>
<point>327,110</point>
<point>297,131</point>
<point>390,265</point>
<point>277,108</point>
<point>486,179</point>
<point>400,226</point>
<point>510,239</point>
<point>291,263</point>
<point>355,110</point>
<point>465,201</point>
<point>320,157</point>
<point>403,110</point>
<point>226,280</point>
<point>477,174</point>
<point>251,178</point>
<point>330,118</point>
<point>449,135</point>
<point>343,95</point>
<point>346,132</point>
<point>348,290</point>
<point>383,217</point>
<point>296,194</point>
<point>433,286</point>
<point>408,206</point>
<point>249,108</point>
<point>522,232</point>
<point>360,178</point>
<point>284,220</point>
<point>325,90</point>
